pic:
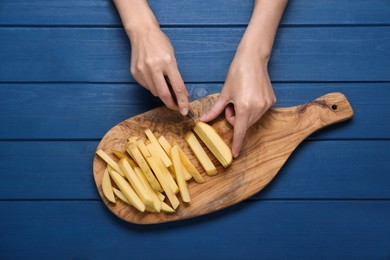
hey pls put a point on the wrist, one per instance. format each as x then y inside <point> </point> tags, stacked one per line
<point>138,29</point>
<point>254,50</point>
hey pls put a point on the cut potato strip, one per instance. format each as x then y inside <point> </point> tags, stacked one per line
<point>163,155</point>
<point>141,146</point>
<point>109,161</point>
<point>122,155</point>
<point>146,184</point>
<point>136,154</point>
<point>120,195</point>
<point>167,148</point>
<point>135,182</point>
<point>160,196</point>
<point>214,142</point>
<point>187,176</point>
<point>107,187</point>
<point>171,182</point>
<point>178,167</point>
<point>200,153</point>
<point>127,191</point>
<point>164,144</point>
<point>165,207</point>
<point>161,177</point>
<point>191,169</point>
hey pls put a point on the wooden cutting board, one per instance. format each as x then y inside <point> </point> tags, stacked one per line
<point>267,146</point>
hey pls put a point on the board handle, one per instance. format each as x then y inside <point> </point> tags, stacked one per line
<point>330,108</point>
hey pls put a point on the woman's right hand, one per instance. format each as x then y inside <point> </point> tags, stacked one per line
<point>152,58</point>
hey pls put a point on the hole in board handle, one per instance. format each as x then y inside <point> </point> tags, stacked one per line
<point>334,107</point>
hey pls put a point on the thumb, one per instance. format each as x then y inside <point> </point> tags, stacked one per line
<point>217,109</point>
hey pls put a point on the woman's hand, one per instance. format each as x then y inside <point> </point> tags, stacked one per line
<point>248,93</point>
<point>153,57</point>
<point>152,54</point>
<point>245,97</point>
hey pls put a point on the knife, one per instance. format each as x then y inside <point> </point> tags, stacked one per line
<point>191,114</point>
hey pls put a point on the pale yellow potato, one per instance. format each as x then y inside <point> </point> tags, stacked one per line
<point>160,150</point>
<point>141,146</point>
<point>136,154</point>
<point>122,155</point>
<point>214,142</point>
<point>135,182</point>
<point>171,182</point>
<point>133,139</point>
<point>200,153</point>
<point>190,167</point>
<point>107,187</point>
<point>160,196</point>
<point>164,144</point>
<point>109,161</point>
<point>120,195</point>
<point>167,148</point>
<point>146,184</point>
<point>178,167</point>
<point>161,178</point>
<point>127,191</point>
<point>165,207</point>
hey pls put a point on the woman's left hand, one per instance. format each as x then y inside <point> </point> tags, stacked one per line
<point>246,95</point>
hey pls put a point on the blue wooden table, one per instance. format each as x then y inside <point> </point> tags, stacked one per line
<point>65,81</point>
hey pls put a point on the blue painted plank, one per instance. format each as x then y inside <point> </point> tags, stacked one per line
<point>252,230</point>
<point>204,54</point>
<point>177,12</point>
<point>69,111</point>
<point>317,169</point>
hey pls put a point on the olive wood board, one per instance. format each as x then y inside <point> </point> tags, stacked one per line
<point>267,146</point>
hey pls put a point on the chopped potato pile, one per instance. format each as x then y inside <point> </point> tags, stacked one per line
<point>151,172</point>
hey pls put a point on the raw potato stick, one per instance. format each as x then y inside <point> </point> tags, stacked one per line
<point>120,195</point>
<point>177,165</point>
<point>135,182</point>
<point>200,153</point>
<point>122,155</point>
<point>167,148</point>
<point>107,187</point>
<point>171,182</point>
<point>163,155</point>
<point>165,207</point>
<point>108,160</point>
<point>160,176</point>
<point>133,150</point>
<point>146,184</point>
<point>127,191</point>
<point>214,142</point>
<point>190,167</point>
<point>164,144</point>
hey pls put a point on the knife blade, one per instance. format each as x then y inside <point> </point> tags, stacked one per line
<point>190,115</point>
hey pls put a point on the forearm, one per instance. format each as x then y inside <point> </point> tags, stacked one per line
<point>259,36</point>
<point>136,16</point>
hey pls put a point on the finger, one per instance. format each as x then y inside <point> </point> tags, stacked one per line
<point>240,128</point>
<point>149,85</point>
<point>217,109</point>
<point>179,88</point>
<point>162,91</point>
<point>230,115</point>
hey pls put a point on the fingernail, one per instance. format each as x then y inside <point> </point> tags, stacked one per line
<point>235,155</point>
<point>203,117</point>
<point>184,111</point>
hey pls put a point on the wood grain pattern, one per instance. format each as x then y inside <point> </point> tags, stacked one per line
<point>268,145</point>
<point>192,12</point>
<point>330,54</point>
<point>97,107</point>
